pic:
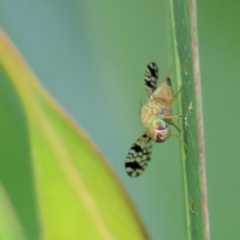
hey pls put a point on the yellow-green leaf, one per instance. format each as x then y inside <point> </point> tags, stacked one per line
<point>10,228</point>
<point>78,194</point>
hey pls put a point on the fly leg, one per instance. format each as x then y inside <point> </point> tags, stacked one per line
<point>176,94</point>
<point>180,140</point>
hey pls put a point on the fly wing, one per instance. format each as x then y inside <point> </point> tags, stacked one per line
<point>150,79</point>
<point>138,156</point>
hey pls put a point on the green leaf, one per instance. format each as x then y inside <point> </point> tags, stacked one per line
<point>10,228</point>
<point>188,74</point>
<point>78,194</point>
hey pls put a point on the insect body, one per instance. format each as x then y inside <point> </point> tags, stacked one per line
<point>156,116</point>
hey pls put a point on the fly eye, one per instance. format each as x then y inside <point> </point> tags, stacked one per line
<point>159,124</point>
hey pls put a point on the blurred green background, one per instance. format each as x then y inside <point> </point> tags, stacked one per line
<point>91,56</point>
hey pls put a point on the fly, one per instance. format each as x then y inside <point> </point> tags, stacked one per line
<point>156,116</point>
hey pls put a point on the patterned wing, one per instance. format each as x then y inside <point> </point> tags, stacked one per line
<point>150,79</point>
<point>138,156</point>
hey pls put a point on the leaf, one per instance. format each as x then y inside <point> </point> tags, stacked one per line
<point>78,194</point>
<point>186,50</point>
<point>10,228</point>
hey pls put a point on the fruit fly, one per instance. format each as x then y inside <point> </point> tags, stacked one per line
<point>156,116</point>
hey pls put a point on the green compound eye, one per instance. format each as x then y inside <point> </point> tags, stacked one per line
<point>159,124</point>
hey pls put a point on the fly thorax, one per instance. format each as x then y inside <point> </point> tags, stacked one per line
<point>163,111</point>
<point>149,112</point>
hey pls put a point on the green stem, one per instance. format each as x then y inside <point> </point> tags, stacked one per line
<point>188,73</point>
